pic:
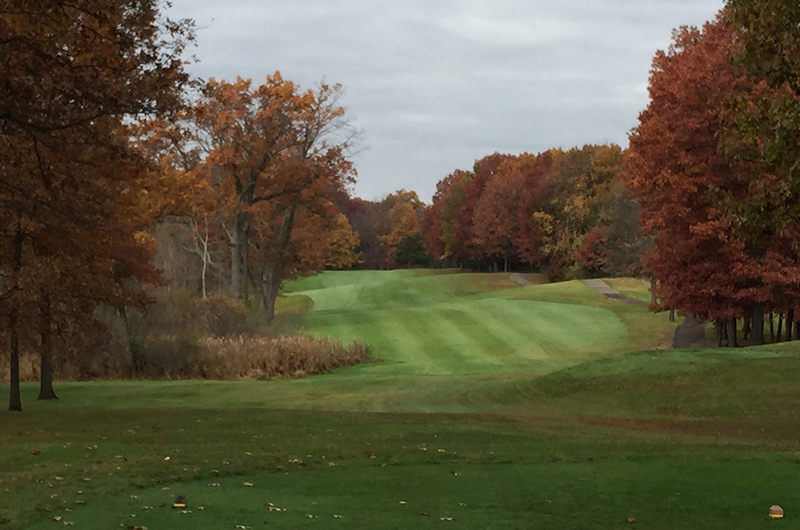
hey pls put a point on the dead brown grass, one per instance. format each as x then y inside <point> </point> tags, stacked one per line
<point>275,357</point>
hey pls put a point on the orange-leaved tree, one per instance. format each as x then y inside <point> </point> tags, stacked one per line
<point>271,149</point>
<point>73,73</point>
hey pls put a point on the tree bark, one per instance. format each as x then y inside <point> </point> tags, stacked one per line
<point>732,342</point>
<point>46,392</point>
<point>240,242</point>
<point>771,327</point>
<point>758,324</point>
<point>672,315</point>
<point>779,333</point>
<point>789,324</point>
<point>796,331</point>
<point>653,299</point>
<point>747,328</point>
<point>274,262</point>
<point>15,398</point>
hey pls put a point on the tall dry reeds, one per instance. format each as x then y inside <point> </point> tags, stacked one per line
<point>275,357</point>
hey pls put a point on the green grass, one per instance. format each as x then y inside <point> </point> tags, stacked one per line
<point>495,407</point>
<point>450,324</point>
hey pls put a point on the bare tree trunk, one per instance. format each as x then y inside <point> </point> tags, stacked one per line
<point>758,324</point>
<point>240,244</point>
<point>796,331</point>
<point>789,324</point>
<point>771,327</point>
<point>779,333</point>
<point>46,392</point>
<point>732,343</point>
<point>15,398</point>
<point>275,260</point>
<point>653,291</point>
<point>719,327</point>
<point>672,315</point>
<point>747,328</point>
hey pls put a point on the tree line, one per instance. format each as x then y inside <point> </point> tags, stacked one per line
<point>567,212</point>
<point>714,165</point>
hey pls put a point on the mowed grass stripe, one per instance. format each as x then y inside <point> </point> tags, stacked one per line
<point>464,335</point>
<point>484,330</point>
<point>563,329</point>
<point>436,349</point>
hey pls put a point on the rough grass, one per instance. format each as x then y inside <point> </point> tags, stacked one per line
<point>635,288</point>
<point>496,438</point>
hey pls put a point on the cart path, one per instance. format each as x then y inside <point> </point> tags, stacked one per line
<point>603,288</point>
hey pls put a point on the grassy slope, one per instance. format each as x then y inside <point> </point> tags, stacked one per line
<point>473,323</point>
<point>678,439</point>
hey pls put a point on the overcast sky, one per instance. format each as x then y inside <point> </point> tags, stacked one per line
<point>436,84</point>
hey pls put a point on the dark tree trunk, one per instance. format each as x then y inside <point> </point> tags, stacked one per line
<point>653,291</point>
<point>796,331</point>
<point>275,260</point>
<point>239,246</point>
<point>719,326</point>
<point>672,315</point>
<point>779,333</point>
<point>46,392</point>
<point>732,343</point>
<point>15,399</point>
<point>505,264</point>
<point>771,327</point>
<point>747,328</point>
<point>789,324</point>
<point>758,324</point>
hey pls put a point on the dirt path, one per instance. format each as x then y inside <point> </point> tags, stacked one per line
<point>521,279</point>
<point>690,334</point>
<point>605,289</point>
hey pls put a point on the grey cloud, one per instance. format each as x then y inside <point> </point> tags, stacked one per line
<point>435,85</point>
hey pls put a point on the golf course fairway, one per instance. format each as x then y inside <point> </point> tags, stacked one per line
<point>489,406</point>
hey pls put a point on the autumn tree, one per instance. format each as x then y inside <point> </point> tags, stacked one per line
<point>70,184</point>
<point>401,221</point>
<point>496,220</point>
<point>682,179</point>
<point>444,233</point>
<point>269,150</point>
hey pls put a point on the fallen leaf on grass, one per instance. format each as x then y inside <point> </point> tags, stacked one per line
<point>240,527</point>
<point>213,484</point>
<point>36,452</point>
<point>447,519</point>
<point>632,520</point>
<point>248,484</point>
<point>131,527</point>
<point>337,516</point>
